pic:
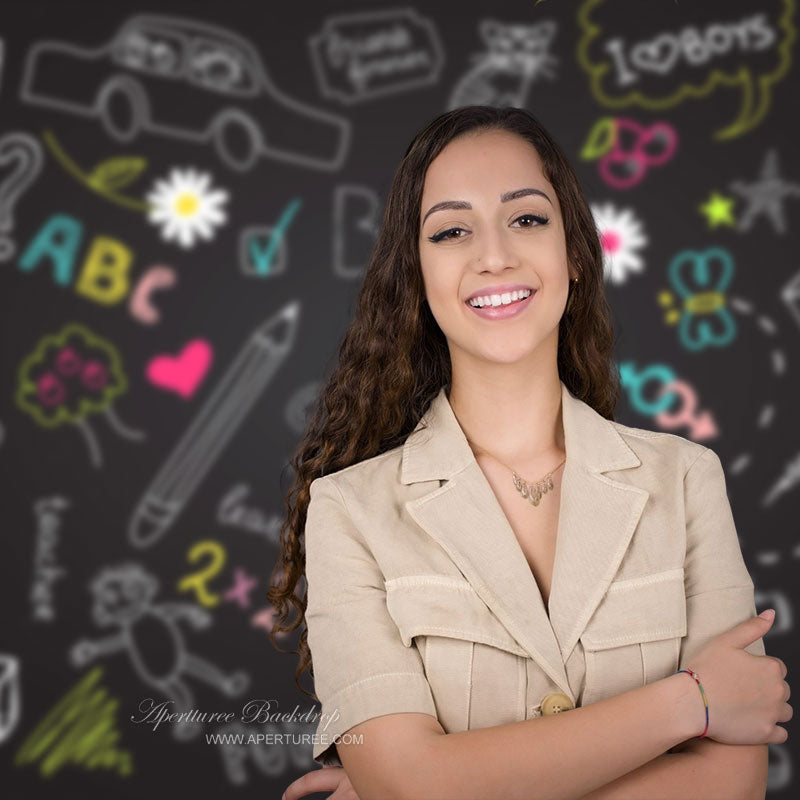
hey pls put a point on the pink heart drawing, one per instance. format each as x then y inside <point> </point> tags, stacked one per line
<point>183,373</point>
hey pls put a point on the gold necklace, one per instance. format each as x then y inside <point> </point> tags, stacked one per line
<point>530,491</point>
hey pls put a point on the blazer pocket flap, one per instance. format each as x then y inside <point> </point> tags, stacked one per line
<point>637,610</point>
<point>442,606</point>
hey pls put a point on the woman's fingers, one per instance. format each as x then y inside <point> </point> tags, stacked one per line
<point>782,664</point>
<point>326,779</point>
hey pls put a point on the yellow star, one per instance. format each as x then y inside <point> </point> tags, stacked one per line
<point>718,210</point>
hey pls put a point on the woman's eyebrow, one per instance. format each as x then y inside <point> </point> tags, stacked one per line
<point>461,205</point>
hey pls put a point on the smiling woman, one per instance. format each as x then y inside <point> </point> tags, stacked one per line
<point>488,232</point>
<point>484,546</point>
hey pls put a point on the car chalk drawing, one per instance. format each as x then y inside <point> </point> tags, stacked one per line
<point>187,80</point>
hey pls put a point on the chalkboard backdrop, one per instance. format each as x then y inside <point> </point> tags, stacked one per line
<point>188,196</point>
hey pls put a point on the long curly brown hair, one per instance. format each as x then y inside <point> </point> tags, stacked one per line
<point>394,358</point>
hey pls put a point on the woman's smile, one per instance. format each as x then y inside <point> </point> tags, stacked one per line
<point>500,307</point>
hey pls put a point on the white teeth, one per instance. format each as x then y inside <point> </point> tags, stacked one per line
<point>499,299</point>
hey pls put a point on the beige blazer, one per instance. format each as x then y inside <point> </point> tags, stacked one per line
<point>421,599</point>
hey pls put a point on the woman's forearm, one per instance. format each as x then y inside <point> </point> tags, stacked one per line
<point>564,756</point>
<point>679,776</point>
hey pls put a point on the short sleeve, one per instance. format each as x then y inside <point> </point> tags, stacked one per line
<point>361,667</point>
<point>719,589</point>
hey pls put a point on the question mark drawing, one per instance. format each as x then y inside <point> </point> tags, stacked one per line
<point>27,152</point>
<point>10,695</point>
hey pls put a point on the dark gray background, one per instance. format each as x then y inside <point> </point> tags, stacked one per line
<point>215,301</point>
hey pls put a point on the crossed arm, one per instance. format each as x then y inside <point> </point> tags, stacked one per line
<point>698,769</point>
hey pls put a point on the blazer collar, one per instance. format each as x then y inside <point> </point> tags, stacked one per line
<point>597,517</point>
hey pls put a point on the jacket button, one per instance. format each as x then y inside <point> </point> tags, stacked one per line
<point>556,703</point>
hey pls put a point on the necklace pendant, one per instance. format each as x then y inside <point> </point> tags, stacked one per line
<point>533,492</point>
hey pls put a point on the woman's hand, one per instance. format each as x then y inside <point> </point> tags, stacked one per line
<point>747,693</point>
<point>327,779</point>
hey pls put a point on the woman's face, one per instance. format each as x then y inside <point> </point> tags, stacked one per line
<point>489,238</point>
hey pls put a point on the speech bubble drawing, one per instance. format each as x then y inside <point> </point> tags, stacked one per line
<point>678,60</point>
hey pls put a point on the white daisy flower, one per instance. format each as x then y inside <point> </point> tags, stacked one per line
<point>184,208</point>
<point>622,237</point>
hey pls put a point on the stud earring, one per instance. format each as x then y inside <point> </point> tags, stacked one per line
<point>574,282</point>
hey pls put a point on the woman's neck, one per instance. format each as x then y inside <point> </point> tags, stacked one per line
<point>519,423</point>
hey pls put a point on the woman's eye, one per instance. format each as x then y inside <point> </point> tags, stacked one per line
<point>444,235</point>
<point>540,219</point>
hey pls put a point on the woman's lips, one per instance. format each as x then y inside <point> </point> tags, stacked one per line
<point>503,312</point>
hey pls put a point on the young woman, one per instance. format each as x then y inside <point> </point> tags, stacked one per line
<point>484,547</point>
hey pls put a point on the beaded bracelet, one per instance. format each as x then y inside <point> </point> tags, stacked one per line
<point>692,674</point>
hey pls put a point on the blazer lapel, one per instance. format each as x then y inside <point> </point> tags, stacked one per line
<point>597,518</point>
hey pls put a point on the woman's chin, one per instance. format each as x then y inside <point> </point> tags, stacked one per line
<point>505,355</point>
